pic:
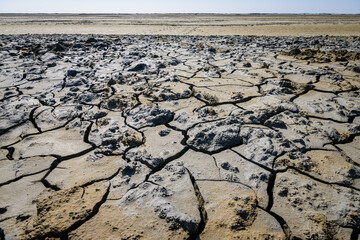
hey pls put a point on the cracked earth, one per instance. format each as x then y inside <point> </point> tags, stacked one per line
<point>161,137</point>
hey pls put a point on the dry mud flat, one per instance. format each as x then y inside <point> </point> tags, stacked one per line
<point>148,137</point>
<point>183,24</point>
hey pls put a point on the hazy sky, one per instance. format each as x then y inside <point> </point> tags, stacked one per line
<point>180,6</point>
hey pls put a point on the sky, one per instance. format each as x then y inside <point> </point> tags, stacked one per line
<point>179,6</point>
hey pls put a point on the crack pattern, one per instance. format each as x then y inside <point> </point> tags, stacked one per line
<point>121,114</point>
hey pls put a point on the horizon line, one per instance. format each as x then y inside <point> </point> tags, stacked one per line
<point>148,13</point>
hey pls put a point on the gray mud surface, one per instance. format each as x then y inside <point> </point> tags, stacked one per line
<point>179,137</point>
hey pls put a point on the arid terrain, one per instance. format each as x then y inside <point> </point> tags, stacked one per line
<point>183,24</point>
<point>179,137</point>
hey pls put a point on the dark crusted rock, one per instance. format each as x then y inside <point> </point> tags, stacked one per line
<point>356,69</point>
<point>317,55</point>
<point>294,51</point>
<point>148,116</point>
<point>164,132</point>
<point>58,47</point>
<point>72,73</point>
<point>91,40</point>
<point>139,67</point>
<point>214,137</point>
<point>47,57</point>
<point>247,64</point>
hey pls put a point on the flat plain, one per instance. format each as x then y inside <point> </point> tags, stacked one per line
<point>182,24</point>
<point>179,127</point>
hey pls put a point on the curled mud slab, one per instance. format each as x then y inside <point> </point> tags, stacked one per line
<point>179,137</point>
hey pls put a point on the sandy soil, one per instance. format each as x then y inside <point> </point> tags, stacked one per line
<point>183,24</point>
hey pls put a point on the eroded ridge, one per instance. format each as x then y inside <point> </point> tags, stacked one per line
<point>149,137</point>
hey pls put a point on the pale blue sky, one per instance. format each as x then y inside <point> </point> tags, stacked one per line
<point>179,6</point>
